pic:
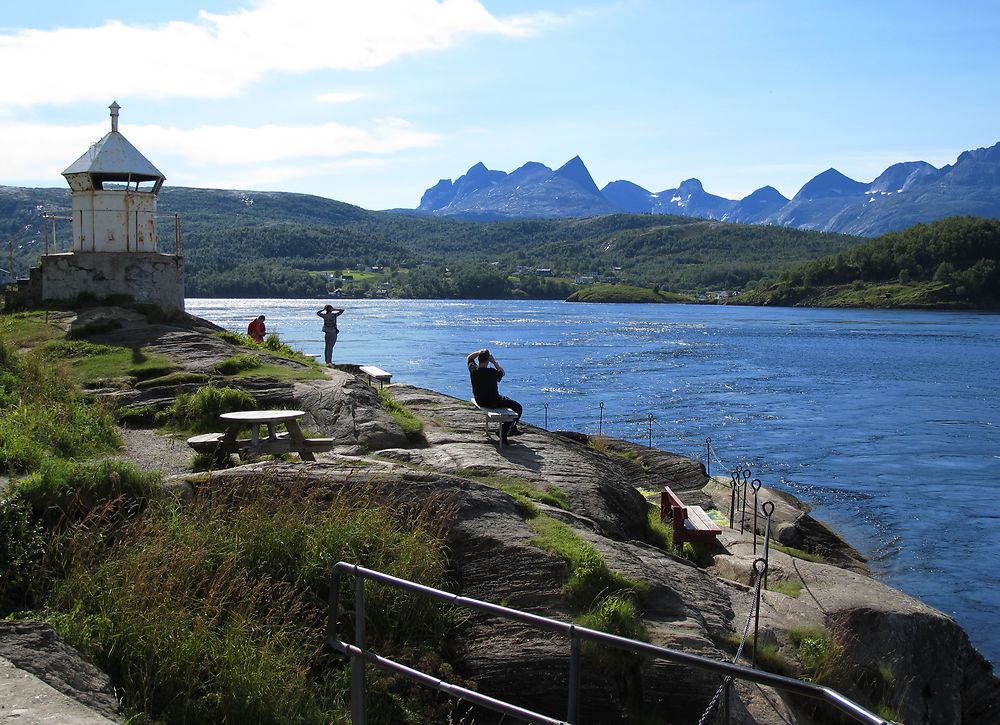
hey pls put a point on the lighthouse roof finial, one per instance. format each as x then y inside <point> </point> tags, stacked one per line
<point>114,116</point>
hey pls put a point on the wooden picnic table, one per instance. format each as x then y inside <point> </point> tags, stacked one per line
<point>273,443</point>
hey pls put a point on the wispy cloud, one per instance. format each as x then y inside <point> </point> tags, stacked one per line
<point>221,54</point>
<point>342,97</point>
<point>37,151</point>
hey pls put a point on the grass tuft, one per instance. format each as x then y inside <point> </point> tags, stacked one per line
<point>44,414</point>
<point>198,412</point>
<point>411,425</point>
<point>237,364</point>
<point>788,587</point>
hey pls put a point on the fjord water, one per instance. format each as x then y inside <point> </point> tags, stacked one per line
<point>886,422</point>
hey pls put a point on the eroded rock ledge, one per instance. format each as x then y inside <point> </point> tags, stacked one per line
<point>939,676</point>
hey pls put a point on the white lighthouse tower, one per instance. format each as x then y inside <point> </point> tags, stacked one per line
<point>114,196</point>
<point>114,190</point>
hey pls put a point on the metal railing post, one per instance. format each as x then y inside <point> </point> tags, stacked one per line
<point>358,663</point>
<point>546,405</point>
<point>600,421</point>
<point>650,430</point>
<point>743,512</point>
<point>768,509</point>
<point>573,707</point>
<point>358,652</point>
<point>708,456</point>
<point>734,483</point>
<point>755,485</point>
<point>761,578</point>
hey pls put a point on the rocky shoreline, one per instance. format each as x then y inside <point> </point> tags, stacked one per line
<point>937,675</point>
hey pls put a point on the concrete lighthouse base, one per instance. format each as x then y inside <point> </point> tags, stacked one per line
<point>148,278</point>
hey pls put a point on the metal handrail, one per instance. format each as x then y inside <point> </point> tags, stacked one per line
<point>359,654</point>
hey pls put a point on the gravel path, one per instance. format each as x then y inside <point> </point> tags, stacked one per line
<point>154,451</point>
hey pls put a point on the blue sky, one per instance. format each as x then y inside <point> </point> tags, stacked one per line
<point>372,101</point>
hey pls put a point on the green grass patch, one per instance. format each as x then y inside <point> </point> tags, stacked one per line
<point>178,377</point>
<point>216,612</point>
<point>28,329</point>
<point>798,553</point>
<point>525,491</point>
<point>412,427</point>
<point>591,581</point>
<point>788,587</point>
<point>237,364</point>
<point>278,371</point>
<point>769,656</point>
<point>825,663</point>
<point>605,446</point>
<point>44,415</point>
<point>199,412</point>
<point>152,370</point>
<point>91,362</point>
<point>272,344</point>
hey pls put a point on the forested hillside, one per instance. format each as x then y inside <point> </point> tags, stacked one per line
<point>248,244</point>
<point>954,261</point>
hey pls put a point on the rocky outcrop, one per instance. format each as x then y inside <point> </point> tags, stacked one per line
<point>36,649</point>
<point>934,675</point>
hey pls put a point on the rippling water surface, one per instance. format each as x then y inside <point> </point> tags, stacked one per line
<point>885,421</point>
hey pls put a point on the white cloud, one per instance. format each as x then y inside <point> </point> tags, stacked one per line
<point>343,97</point>
<point>32,152</point>
<point>219,55</point>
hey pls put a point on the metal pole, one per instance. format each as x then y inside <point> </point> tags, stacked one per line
<point>177,235</point>
<point>546,405</point>
<point>45,232</point>
<point>761,576</point>
<point>708,456</point>
<point>600,422</point>
<point>768,509</point>
<point>573,708</point>
<point>755,485</point>
<point>743,512</point>
<point>734,483</point>
<point>357,663</point>
<point>650,430</point>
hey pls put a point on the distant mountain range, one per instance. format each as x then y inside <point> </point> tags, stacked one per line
<point>902,195</point>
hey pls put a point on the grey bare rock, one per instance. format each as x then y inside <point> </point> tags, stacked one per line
<point>608,485</point>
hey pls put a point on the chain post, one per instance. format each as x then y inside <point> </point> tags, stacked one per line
<point>755,485</point>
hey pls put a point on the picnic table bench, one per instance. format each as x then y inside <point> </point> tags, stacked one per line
<point>690,523</point>
<point>274,443</point>
<point>376,373</point>
<point>498,416</point>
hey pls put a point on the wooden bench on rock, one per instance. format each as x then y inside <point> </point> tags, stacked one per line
<point>690,523</point>
<point>376,373</point>
<point>498,416</point>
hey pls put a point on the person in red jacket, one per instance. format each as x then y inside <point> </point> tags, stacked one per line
<point>256,329</point>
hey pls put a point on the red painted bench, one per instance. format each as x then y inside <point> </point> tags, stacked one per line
<point>691,523</point>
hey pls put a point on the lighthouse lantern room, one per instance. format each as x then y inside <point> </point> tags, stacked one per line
<point>114,190</point>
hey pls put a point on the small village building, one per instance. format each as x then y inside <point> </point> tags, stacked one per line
<point>114,247</point>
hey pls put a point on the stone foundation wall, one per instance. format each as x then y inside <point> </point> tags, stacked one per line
<point>148,278</point>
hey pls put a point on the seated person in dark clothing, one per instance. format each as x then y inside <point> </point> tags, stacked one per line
<point>484,388</point>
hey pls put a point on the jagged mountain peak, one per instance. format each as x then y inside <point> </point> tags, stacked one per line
<point>830,183</point>
<point>765,194</point>
<point>830,201</point>
<point>690,186</point>
<point>900,177</point>
<point>576,171</point>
